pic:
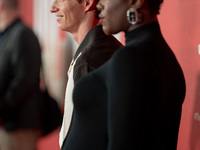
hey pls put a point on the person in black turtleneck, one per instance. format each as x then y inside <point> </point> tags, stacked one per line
<point>134,101</point>
<point>20,58</point>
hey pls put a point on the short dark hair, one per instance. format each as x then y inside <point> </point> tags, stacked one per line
<point>154,6</point>
<point>11,3</point>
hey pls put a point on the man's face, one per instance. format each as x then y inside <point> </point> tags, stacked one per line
<point>69,14</point>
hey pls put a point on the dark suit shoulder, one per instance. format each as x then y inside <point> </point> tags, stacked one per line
<point>94,53</point>
<point>100,51</point>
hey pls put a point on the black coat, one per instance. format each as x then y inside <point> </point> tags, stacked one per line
<point>132,102</point>
<point>20,59</point>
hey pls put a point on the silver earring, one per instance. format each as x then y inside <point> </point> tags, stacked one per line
<point>132,16</point>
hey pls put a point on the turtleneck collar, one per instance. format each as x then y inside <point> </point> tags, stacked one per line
<point>141,31</point>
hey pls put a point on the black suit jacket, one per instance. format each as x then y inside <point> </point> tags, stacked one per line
<point>96,49</point>
<point>20,58</point>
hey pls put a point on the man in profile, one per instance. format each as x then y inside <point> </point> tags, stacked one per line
<point>20,58</point>
<point>80,18</point>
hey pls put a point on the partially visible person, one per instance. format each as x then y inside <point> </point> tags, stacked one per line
<point>20,58</point>
<point>80,18</point>
<point>134,101</point>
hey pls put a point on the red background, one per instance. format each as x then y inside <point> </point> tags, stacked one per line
<point>26,8</point>
<point>180,20</point>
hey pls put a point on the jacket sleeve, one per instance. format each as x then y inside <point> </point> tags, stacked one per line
<point>25,68</point>
<point>127,86</point>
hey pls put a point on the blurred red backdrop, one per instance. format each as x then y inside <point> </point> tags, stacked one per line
<point>26,8</point>
<point>180,22</point>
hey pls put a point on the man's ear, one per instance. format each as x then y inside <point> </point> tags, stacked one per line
<point>137,3</point>
<point>90,5</point>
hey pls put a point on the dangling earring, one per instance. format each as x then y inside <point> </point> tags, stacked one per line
<point>133,16</point>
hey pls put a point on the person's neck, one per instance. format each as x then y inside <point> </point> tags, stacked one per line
<point>88,23</point>
<point>146,21</point>
<point>7,18</point>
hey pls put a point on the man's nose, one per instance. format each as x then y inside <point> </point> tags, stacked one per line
<point>54,7</point>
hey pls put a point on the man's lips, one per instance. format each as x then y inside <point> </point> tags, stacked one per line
<point>59,17</point>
